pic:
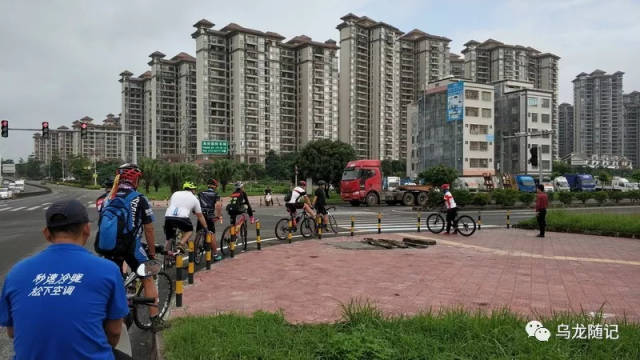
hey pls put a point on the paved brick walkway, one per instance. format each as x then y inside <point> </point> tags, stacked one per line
<point>309,279</point>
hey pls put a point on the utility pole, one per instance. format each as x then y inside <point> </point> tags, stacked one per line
<point>135,147</point>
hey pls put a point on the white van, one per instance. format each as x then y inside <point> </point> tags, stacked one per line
<point>561,184</point>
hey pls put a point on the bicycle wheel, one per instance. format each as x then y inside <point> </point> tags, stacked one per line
<point>198,245</point>
<point>435,223</point>
<point>165,292</point>
<point>224,242</point>
<point>333,224</point>
<point>241,239</point>
<point>282,229</point>
<point>307,227</point>
<point>465,225</point>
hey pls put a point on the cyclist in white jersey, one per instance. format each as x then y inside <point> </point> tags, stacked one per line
<point>181,205</point>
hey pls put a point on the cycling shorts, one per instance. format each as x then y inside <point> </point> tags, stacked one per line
<point>133,254</point>
<point>321,209</point>
<point>211,223</point>
<point>173,223</point>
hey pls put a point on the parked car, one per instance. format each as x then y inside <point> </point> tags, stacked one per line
<point>561,184</point>
<point>5,193</point>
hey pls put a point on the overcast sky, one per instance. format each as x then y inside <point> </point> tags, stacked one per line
<point>60,59</point>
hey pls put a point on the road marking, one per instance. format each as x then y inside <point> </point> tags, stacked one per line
<point>3,209</point>
<point>18,208</point>
<point>33,208</point>
<point>91,206</point>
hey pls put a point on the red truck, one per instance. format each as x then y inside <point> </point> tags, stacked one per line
<point>362,182</point>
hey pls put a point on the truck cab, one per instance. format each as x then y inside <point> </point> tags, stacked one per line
<point>525,183</point>
<point>621,184</point>
<point>581,182</point>
<point>361,180</point>
<point>561,184</point>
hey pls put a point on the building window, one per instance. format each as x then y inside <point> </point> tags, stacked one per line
<point>478,163</point>
<point>486,113</point>
<point>534,117</point>
<point>546,149</point>
<point>533,101</point>
<point>471,94</point>
<point>546,165</point>
<point>479,146</point>
<point>486,96</point>
<point>470,111</point>
<point>545,118</point>
<point>478,129</point>
<point>546,103</point>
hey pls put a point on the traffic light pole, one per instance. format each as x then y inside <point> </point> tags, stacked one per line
<point>520,135</point>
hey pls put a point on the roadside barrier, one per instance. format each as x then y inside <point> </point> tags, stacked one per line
<point>179,287</point>
<point>353,220</point>
<point>319,227</point>
<point>419,222</point>
<point>208,250</point>
<point>232,242</point>
<point>192,264</point>
<point>479,220</point>
<point>258,238</point>
<point>289,234</point>
<point>508,219</point>
<point>379,223</point>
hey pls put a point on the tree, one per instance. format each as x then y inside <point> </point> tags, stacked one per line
<point>55,168</point>
<point>604,177</point>
<point>151,172</point>
<point>177,173</point>
<point>224,170</point>
<point>439,175</point>
<point>82,169</point>
<point>106,169</point>
<point>635,176</point>
<point>281,166</point>
<point>256,171</point>
<point>31,169</point>
<point>394,168</point>
<point>325,160</point>
<point>560,168</point>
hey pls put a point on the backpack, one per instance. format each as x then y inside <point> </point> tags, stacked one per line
<point>287,196</point>
<point>235,203</point>
<point>116,229</point>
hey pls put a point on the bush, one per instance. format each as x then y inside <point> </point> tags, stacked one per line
<point>481,199</point>
<point>505,197</point>
<point>603,223</point>
<point>634,195</point>
<point>526,198</point>
<point>462,197</point>
<point>601,197</point>
<point>617,196</point>
<point>565,197</point>
<point>583,196</point>
<point>435,198</point>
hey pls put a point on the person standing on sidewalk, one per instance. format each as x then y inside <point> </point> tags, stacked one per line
<point>542,202</point>
<point>452,209</point>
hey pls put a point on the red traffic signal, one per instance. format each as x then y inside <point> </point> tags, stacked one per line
<point>5,128</point>
<point>83,130</point>
<point>45,129</point>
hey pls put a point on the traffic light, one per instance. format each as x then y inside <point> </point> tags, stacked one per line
<point>5,128</point>
<point>45,129</point>
<point>83,130</point>
<point>534,156</point>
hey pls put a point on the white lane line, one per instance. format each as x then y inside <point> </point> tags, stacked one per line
<point>91,206</point>
<point>18,208</point>
<point>47,203</point>
<point>4,209</point>
<point>33,208</point>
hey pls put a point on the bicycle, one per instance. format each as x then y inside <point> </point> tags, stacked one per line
<point>240,240</point>
<point>306,222</point>
<point>135,290</point>
<point>200,242</point>
<point>171,251</point>
<point>463,224</point>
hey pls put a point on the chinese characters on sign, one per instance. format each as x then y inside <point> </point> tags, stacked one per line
<point>219,147</point>
<point>55,284</point>
<point>455,101</point>
<point>589,332</point>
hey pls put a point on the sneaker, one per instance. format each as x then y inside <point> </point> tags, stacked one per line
<point>158,324</point>
<point>217,257</point>
<point>181,249</point>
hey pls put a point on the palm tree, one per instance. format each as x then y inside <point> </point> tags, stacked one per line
<point>150,172</point>
<point>223,170</point>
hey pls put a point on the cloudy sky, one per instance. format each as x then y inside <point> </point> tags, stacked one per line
<point>60,59</point>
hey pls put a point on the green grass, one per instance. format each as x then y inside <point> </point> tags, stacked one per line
<point>364,333</point>
<point>252,189</point>
<point>600,223</point>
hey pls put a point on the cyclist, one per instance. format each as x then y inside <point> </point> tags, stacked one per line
<point>128,246</point>
<point>320,201</point>
<point>293,204</point>
<point>181,205</point>
<point>239,204</point>
<point>108,184</point>
<point>211,205</point>
<point>452,210</point>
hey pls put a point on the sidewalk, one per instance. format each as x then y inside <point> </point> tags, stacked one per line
<point>492,269</point>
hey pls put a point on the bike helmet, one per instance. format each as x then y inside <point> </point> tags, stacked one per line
<point>188,185</point>
<point>212,182</point>
<point>302,183</point>
<point>129,173</point>
<point>238,185</point>
<point>444,187</point>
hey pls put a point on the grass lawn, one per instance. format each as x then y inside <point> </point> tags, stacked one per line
<point>364,333</point>
<point>602,223</point>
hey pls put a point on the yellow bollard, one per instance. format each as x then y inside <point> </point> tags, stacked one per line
<point>179,288</point>
<point>232,240</point>
<point>258,238</point>
<point>379,223</point>
<point>419,215</point>
<point>508,219</point>
<point>289,235</point>
<point>353,220</point>
<point>208,252</point>
<point>479,220</point>
<point>192,264</point>
<point>319,227</point>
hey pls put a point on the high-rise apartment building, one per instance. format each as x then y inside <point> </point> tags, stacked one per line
<point>261,94</point>
<point>381,72</point>
<point>632,128</point>
<point>452,123</point>
<point>160,106</point>
<point>492,61</point>
<point>457,66</point>
<point>565,129</point>
<point>598,114</point>
<point>521,108</point>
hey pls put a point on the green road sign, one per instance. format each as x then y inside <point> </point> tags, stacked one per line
<point>219,147</point>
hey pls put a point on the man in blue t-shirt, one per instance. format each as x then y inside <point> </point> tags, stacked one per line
<point>65,302</point>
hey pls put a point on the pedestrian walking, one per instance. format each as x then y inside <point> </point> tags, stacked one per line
<point>542,203</point>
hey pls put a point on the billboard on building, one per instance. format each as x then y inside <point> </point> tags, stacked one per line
<point>455,101</point>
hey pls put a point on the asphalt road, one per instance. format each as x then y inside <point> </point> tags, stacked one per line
<point>22,220</point>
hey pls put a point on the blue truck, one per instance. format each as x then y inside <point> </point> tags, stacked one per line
<point>525,183</point>
<point>581,182</point>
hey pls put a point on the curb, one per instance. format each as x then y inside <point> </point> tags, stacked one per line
<point>46,190</point>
